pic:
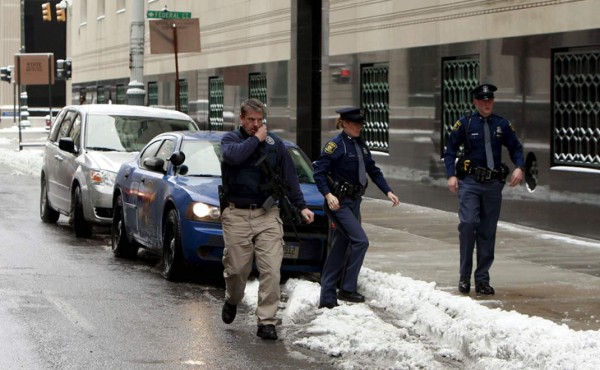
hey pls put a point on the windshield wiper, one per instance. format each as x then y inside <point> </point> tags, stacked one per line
<point>202,175</point>
<point>102,149</point>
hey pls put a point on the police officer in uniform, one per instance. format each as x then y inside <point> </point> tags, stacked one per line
<point>340,174</point>
<point>479,178</point>
<point>252,229</point>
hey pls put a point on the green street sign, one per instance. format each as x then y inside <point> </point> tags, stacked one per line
<point>168,15</point>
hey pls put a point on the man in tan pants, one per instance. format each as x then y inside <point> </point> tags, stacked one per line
<point>251,228</point>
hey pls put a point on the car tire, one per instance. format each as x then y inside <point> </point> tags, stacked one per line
<point>172,256</point>
<point>47,213</point>
<point>83,229</point>
<point>121,246</point>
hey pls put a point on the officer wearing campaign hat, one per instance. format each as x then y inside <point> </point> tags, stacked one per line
<point>340,174</point>
<point>478,178</point>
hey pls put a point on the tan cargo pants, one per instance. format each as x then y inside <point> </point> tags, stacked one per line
<point>249,234</point>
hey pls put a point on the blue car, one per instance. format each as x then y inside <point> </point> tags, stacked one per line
<point>167,201</point>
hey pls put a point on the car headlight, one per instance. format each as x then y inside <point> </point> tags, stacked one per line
<point>103,177</point>
<point>203,212</point>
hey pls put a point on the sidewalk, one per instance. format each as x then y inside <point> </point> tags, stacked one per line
<point>535,272</point>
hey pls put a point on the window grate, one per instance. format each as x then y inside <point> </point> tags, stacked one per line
<point>576,107</point>
<point>374,95</point>
<point>216,94</point>
<point>459,76</point>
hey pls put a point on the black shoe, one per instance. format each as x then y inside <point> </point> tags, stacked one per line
<point>350,296</point>
<point>464,285</point>
<point>228,313</point>
<point>484,288</point>
<point>328,305</point>
<point>267,332</point>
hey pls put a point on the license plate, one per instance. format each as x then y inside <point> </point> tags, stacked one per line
<point>291,250</point>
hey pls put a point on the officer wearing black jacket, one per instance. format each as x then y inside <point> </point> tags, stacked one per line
<point>340,174</point>
<point>479,178</point>
<point>252,227</point>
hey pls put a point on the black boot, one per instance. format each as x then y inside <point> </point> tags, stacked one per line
<point>464,285</point>
<point>484,288</point>
<point>228,313</point>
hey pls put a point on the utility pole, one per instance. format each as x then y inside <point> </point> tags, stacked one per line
<point>135,91</point>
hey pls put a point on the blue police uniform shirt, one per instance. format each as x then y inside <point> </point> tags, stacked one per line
<point>501,134</point>
<point>339,159</point>
<point>241,150</point>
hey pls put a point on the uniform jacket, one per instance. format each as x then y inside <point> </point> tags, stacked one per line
<point>501,134</point>
<point>339,159</point>
<point>241,153</point>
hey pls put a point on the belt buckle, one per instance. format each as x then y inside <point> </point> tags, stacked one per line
<point>488,174</point>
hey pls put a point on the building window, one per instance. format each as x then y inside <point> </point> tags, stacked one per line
<point>257,84</point>
<point>83,13</point>
<point>216,94</point>
<point>101,12</point>
<point>101,95</point>
<point>459,76</point>
<point>121,94</point>
<point>183,96</point>
<point>576,107</point>
<point>374,100</point>
<point>152,94</point>
<point>121,6</point>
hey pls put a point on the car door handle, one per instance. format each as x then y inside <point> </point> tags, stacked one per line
<point>58,157</point>
<point>126,175</point>
<point>143,180</point>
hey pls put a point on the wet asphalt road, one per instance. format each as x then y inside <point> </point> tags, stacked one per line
<point>67,303</point>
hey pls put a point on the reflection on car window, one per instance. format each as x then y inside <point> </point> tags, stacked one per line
<point>129,134</point>
<point>149,152</point>
<point>303,167</point>
<point>165,152</point>
<point>202,158</point>
<point>75,133</point>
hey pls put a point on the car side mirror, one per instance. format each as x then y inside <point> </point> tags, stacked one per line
<point>154,164</point>
<point>177,158</point>
<point>66,144</point>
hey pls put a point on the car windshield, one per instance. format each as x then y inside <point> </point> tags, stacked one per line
<point>127,133</point>
<point>304,169</point>
<point>203,158</point>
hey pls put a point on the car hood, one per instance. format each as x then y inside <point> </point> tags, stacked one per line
<point>110,161</point>
<point>206,189</point>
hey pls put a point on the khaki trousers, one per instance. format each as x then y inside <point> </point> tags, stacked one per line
<point>250,234</point>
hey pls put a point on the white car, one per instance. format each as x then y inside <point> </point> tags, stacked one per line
<point>85,148</point>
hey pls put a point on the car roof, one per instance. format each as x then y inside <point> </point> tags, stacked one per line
<point>210,136</point>
<point>129,110</point>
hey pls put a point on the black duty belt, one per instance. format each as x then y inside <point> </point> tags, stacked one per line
<point>244,206</point>
<point>483,173</point>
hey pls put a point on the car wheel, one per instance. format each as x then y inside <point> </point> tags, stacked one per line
<point>47,213</point>
<point>172,256</point>
<point>121,246</point>
<point>83,229</point>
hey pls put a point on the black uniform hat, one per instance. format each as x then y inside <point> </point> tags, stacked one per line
<point>352,114</point>
<point>484,92</point>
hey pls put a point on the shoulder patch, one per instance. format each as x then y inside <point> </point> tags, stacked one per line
<point>456,126</point>
<point>270,140</point>
<point>330,147</point>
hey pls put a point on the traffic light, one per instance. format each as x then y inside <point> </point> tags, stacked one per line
<point>61,14</point>
<point>60,69</point>
<point>68,69</point>
<point>46,12</point>
<point>6,74</point>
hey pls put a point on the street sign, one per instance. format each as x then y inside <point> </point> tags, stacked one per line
<point>168,15</point>
<point>162,37</point>
<point>34,69</point>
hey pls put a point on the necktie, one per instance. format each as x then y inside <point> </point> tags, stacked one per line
<point>488,145</point>
<point>362,174</point>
